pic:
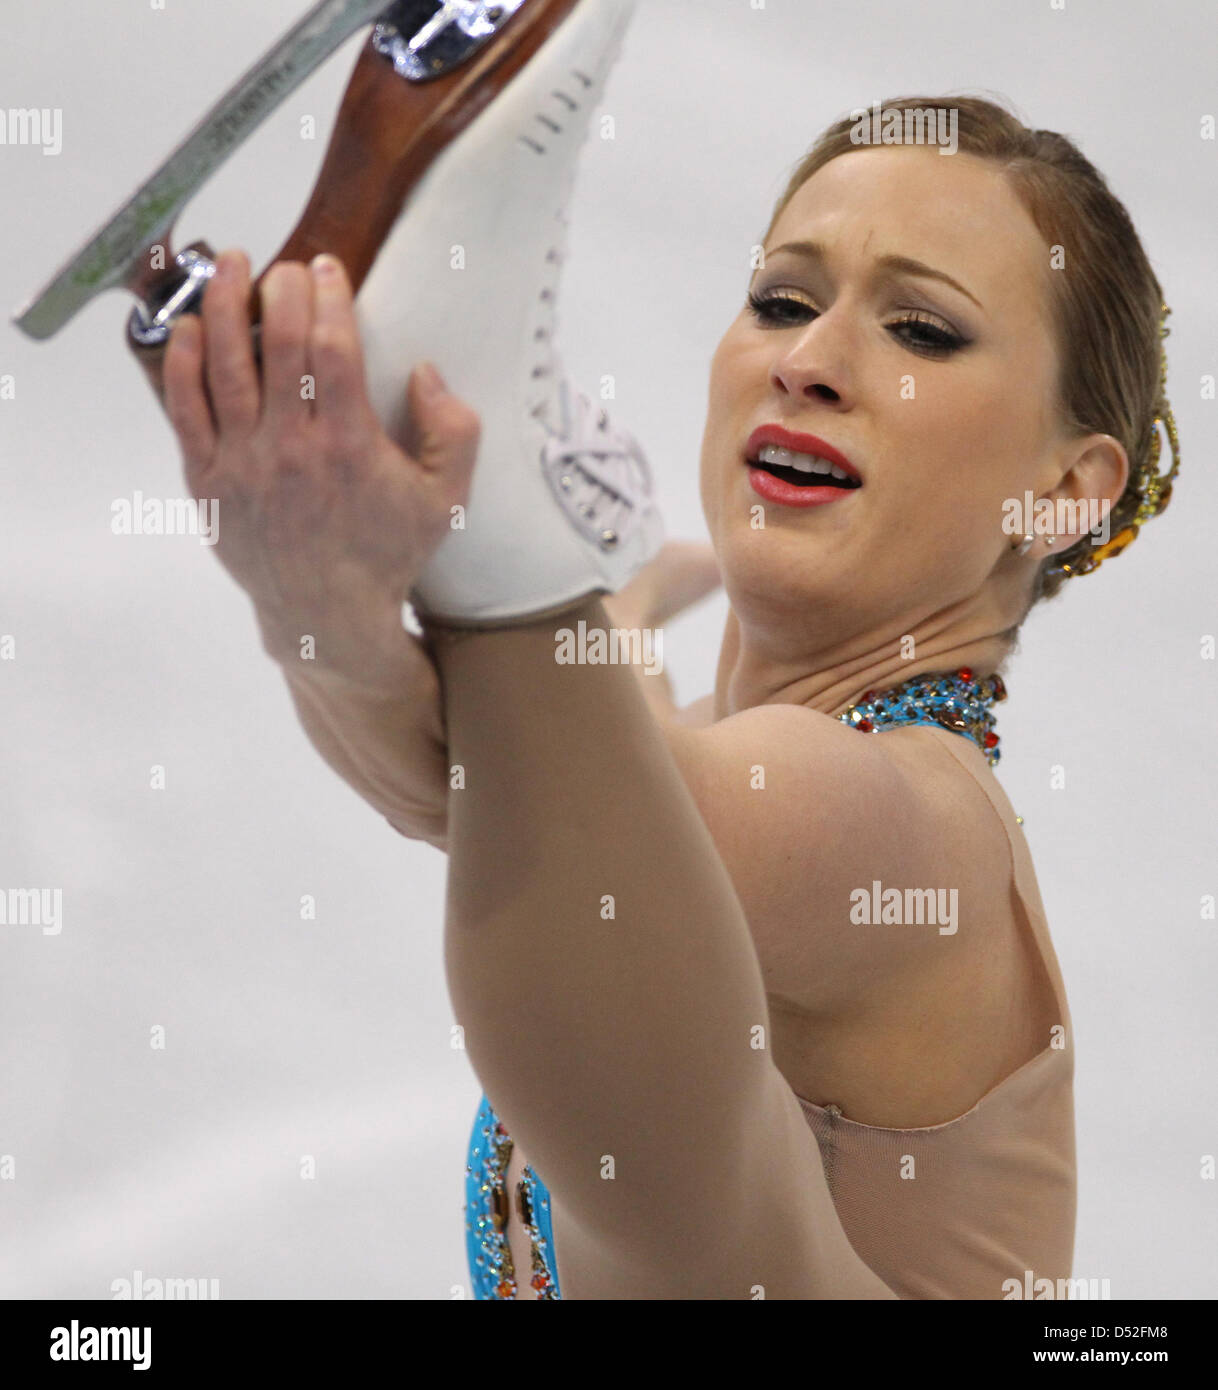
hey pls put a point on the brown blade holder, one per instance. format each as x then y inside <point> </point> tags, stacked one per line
<point>386,135</point>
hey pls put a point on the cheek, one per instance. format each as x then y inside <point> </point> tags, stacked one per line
<point>724,374</point>
<point>726,401</point>
<point>969,431</point>
<point>735,384</point>
<point>957,453</point>
<point>1000,432</point>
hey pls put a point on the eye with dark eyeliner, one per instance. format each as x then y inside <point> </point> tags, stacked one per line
<point>921,332</point>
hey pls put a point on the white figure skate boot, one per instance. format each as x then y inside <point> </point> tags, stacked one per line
<point>561,504</point>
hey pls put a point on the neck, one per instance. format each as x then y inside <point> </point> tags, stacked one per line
<point>756,668</point>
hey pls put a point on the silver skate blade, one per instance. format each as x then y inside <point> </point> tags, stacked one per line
<point>117,255</point>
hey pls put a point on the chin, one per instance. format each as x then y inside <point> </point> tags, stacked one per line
<point>757,565</point>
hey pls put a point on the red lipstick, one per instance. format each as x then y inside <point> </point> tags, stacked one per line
<point>775,489</point>
<point>798,444</point>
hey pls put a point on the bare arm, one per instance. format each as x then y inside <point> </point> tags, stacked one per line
<point>680,576</point>
<point>390,750</point>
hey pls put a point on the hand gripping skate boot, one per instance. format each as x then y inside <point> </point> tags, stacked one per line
<point>454,146</point>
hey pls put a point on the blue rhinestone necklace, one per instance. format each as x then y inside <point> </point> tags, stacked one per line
<point>959,702</point>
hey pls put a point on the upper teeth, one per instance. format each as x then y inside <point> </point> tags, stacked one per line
<point>805,463</point>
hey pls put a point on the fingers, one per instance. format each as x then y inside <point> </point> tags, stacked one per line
<point>287,317</point>
<point>232,376</point>
<point>336,353</point>
<point>185,399</point>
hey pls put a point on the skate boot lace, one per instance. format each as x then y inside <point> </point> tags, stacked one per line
<point>596,470</point>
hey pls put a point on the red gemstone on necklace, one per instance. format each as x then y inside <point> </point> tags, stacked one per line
<point>866,725</point>
<point>868,694</point>
<point>539,1282</point>
<point>991,739</point>
<point>965,673</point>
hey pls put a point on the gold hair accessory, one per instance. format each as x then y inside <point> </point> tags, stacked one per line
<point>1153,490</point>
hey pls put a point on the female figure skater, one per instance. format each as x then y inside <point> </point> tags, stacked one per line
<point>760,991</point>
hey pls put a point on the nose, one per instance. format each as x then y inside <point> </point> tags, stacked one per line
<point>811,364</point>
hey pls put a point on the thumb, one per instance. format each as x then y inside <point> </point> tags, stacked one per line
<point>443,431</point>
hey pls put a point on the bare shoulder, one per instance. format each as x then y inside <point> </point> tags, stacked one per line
<point>817,823</point>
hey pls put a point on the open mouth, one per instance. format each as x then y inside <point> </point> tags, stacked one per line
<point>802,470</point>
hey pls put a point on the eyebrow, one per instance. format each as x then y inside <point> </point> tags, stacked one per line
<point>813,250</point>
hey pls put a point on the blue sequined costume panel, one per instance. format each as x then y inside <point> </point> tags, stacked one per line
<point>487,1204</point>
